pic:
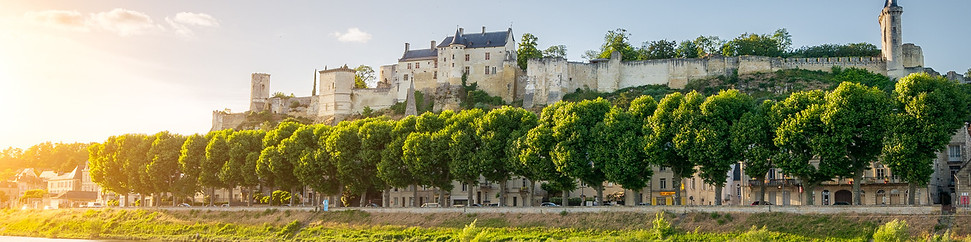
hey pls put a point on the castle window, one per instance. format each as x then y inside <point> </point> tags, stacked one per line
<point>493,70</point>
<point>663,183</point>
<point>466,70</point>
<point>406,77</point>
<point>487,56</point>
<point>466,57</point>
<point>417,65</point>
<point>881,173</point>
<point>435,76</point>
<point>436,64</point>
<point>409,65</point>
<point>487,70</point>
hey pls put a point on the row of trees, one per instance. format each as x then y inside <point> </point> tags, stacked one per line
<point>844,130</point>
<point>57,157</point>
<point>777,44</point>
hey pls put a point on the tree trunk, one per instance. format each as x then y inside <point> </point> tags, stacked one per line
<point>414,196</point>
<point>470,201</point>
<point>364,199</point>
<point>566,196</point>
<point>173,199</point>
<point>249,197</point>
<point>293,193</point>
<point>600,194</point>
<point>532,192</point>
<point>502,192</point>
<point>386,199</point>
<point>857,180</point>
<point>808,189</point>
<point>718,194</point>
<point>912,188</point>
<point>441,197</point>
<point>212,196</point>
<point>676,183</point>
<point>762,190</point>
<point>636,194</point>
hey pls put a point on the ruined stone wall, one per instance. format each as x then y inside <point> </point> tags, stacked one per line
<point>913,56</point>
<point>226,120</point>
<point>375,98</point>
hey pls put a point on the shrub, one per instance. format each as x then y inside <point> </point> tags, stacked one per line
<point>756,234</point>
<point>893,231</point>
<point>470,232</point>
<point>289,230</point>
<point>662,228</point>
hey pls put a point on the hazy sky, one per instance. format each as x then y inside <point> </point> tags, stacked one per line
<point>84,70</point>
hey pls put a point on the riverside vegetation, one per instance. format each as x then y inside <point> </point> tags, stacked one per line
<point>355,225</point>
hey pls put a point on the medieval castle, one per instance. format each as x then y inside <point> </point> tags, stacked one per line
<point>489,60</point>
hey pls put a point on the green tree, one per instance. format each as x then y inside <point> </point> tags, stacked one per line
<point>575,132</point>
<point>132,153</point>
<point>555,51</point>
<point>783,40</point>
<point>271,165</point>
<point>244,151</point>
<point>527,50</point>
<point>687,49</point>
<point>217,155</point>
<point>620,146</point>
<point>863,76</point>
<point>659,140</point>
<point>708,45</point>
<point>497,130</point>
<point>752,44</point>
<point>191,157</point>
<point>711,148</point>
<point>462,148</point>
<point>106,169</point>
<point>163,170</point>
<point>617,40</point>
<point>799,134</point>
<point>854,119</point>
<point>344,147</point>
<point>392,169</point>
<point>658,49</point>
<point>752,138</point>
<point>535,153</point>
<point>928,110</point>
<point>363,76</point>
<point>300,147</point>
<point>375,135</point>
<point>426,154</point>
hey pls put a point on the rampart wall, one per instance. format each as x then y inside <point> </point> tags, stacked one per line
<point>547,80</point>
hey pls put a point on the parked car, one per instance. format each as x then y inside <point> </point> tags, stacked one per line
<point>493,205</point>
<point>756,203</point>
<point>431,205</point>
<point>224,205</point>
<point>643,204</point>
<point>549,204</point>
<point>476,205</point>
<point>372,205</point>
<point>184,205</point>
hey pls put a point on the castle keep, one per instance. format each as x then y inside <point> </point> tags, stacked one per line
<point>489,60</point>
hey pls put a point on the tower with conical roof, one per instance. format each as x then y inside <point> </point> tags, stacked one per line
<point>892,41</point>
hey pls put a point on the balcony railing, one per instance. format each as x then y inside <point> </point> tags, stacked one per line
<point>777,182</point>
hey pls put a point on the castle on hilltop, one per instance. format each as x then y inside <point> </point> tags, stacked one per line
<point>488,59</point>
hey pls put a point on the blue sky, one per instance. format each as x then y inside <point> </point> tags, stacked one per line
<point>85,70</point>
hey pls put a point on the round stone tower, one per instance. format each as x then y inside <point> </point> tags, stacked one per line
<point>892,42</point>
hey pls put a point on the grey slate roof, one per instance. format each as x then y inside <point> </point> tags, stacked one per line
<point>478,40</point>
<point>890,3</point>
<point>419,54</point>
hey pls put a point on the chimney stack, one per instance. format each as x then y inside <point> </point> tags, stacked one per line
<point>483,29</point>
<point>433,44</point>
<point>407,47</point>
<point>461,32</point>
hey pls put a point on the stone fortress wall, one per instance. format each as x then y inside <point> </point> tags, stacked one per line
<point>547,80</point>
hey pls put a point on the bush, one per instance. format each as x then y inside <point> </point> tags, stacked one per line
<point>893,231</point>
<point>661,227</point>
<point>756,234</point>
<point>472,233</point>
<point>289,230</point>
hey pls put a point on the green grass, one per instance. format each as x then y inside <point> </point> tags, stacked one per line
<point>353,225</point>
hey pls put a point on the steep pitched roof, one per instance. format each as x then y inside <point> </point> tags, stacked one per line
<point>478,40</point>
<point>419,54</point>
<point>890,3</point>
